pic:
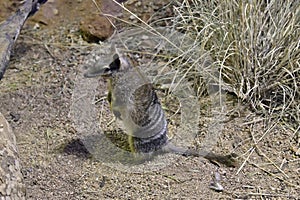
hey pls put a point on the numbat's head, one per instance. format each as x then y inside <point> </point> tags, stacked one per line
<point>117,63</point>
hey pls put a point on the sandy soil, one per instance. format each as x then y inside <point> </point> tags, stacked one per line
<point>36,98</point>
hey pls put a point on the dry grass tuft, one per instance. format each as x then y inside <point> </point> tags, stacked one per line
<point>255,46</point>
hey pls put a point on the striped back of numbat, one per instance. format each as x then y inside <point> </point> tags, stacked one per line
<point>135,104</point>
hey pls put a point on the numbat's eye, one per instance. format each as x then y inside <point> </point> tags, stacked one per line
<point>106,70</point>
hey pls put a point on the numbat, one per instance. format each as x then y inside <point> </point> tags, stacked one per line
<point>134,102</point>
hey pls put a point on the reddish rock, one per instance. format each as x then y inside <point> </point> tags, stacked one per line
<point>95,28</point>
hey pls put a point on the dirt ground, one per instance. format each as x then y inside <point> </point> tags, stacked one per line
<point>35,98</point>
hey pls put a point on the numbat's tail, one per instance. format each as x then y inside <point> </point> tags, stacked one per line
<point>229,160</point>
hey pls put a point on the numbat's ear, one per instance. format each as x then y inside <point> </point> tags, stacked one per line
<point>115,64</point>
<point>124,63</point>
<point>119,63</point>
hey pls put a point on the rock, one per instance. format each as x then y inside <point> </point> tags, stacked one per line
<point>11,184</point>
<point>95,28</point>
